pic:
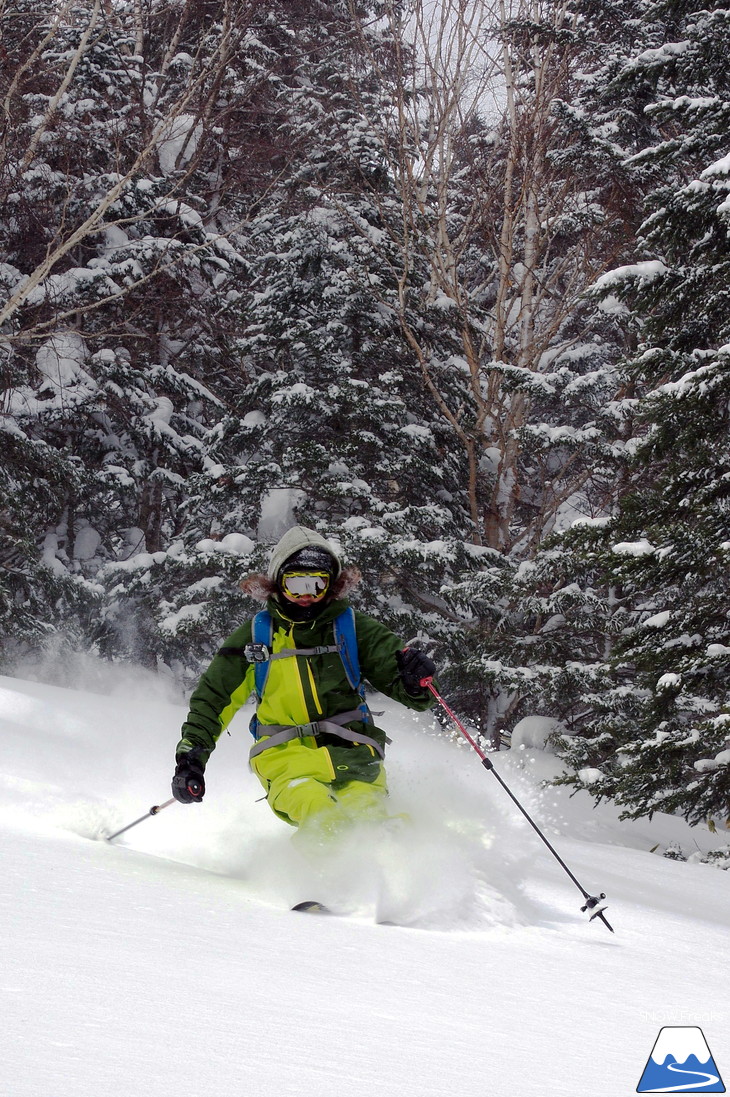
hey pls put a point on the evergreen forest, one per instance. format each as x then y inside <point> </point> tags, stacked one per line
<point>448,281</point>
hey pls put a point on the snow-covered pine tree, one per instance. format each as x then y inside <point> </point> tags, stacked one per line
<point>121,234</point>
<point>663,743</point>
<point>35,588</point>
<point>332,425</point>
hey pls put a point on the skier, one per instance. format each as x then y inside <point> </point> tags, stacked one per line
<point>317,752</point>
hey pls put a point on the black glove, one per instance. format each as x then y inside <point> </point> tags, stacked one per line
<point>413,665</point>
<point>188,784</point>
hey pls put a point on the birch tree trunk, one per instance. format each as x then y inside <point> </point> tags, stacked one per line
<point>471,147</point>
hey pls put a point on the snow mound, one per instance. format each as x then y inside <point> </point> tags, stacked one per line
<point>534,731</point>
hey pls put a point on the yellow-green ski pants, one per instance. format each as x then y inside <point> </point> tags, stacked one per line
<point>299,779</point>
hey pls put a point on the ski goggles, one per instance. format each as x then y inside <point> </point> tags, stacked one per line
<point>305,584</point>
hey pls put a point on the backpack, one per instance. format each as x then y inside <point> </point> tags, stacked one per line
<point>260,654</point>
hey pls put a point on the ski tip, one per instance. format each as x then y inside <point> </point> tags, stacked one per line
<point>312,906</point>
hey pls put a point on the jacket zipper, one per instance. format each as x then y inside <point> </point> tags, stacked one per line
<point>300,683</point>
<point>315,695</point>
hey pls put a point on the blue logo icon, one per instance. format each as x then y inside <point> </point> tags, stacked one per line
<point>680,1062</point>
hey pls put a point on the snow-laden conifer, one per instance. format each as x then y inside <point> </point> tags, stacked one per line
<point>662,742</point>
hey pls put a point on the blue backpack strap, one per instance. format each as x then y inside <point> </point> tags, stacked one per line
<point>346,640</point>
<point>258,652</point>
<point>262,633</point>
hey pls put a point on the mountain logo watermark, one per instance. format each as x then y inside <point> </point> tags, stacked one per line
<point>680,1062</point>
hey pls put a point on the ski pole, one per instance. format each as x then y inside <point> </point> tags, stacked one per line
<point>592,902</point>
<point>153,811</point>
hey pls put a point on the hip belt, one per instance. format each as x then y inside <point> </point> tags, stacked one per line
<point>276,734</point>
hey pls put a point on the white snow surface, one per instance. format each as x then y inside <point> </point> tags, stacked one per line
<point>178,142</point>
<point>658,620</point>
<point>278,512</point>
<point>642,547</point>
<point>645,273</point>
<point>60,359</point>
<point>169,962</point>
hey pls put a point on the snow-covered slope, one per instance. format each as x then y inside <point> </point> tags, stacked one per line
<point>169,962</point>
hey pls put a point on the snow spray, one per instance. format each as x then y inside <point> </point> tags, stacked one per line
<point>592,902</point>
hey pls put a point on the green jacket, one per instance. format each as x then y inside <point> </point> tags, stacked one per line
<point>299,690</point>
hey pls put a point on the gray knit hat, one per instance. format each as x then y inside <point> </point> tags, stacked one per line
<point>298,540</point>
